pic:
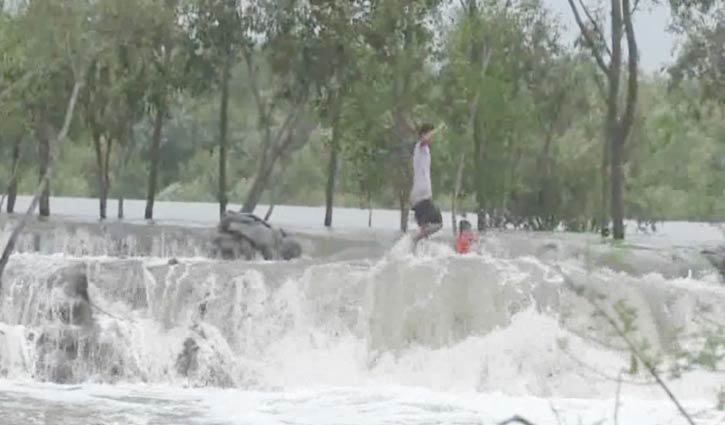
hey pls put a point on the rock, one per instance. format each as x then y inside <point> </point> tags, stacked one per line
<point>716,257</point>
<point>75,308</point>
<point>290,249</point>
<point>242,235</point>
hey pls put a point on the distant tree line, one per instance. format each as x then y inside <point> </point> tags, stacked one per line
<point>317,102</point>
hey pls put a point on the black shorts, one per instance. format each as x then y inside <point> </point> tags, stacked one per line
<point>427,213</point>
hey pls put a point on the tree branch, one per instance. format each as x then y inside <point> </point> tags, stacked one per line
<point>593,299</point>
<point>592,45</point>
<point>599,31</point>
<point>633,71</point>
<point>18,83</point>
<point>10,245</point>
<point>13,177</point>
<point>516,420</point>
<point>254,86</point>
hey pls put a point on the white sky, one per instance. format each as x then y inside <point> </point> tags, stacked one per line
<point>655,43</point>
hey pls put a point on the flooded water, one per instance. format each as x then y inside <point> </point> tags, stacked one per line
<point>97,327</point>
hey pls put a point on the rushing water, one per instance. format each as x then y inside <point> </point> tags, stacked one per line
<point>97,326</point>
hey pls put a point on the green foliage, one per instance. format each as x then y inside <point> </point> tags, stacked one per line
<point>523,109</point>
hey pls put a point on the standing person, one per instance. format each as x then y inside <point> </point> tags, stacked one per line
<point>427,215</point>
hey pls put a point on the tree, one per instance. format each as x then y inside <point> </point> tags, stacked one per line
<point>702,57</point>
<point>218,32</point>
<point>280,24</point>
<point>496,80</point>
<point>400,43</point>
<point>165,57</point>
<point>68,44</point>
<point>14,76</point>
<point>115,88</point>
<point>618,120</point>
<point>56,68</point>
<point>331,49</point>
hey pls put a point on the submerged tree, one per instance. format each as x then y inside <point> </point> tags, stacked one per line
<point>619,120</point>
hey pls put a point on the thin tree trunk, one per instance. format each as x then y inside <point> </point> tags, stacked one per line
<point>42,187</point>
<point>370,209</point>
<point>604,212</point>
<point>44,160</point>
<point>546,202</point>
<point>125,148</point>
<point>478,150</point>
<point>456,191</point>
<point>223,124</point>
<point>625,125</point>
<point>272,202</point>
<point>13,185</point>
<point>617,186</point>
<point>404,211</point>
<point>106,175</point>
<point>154,165</point>
<point>332,168</point>
<point>101,164</point>
<point>258,185</point>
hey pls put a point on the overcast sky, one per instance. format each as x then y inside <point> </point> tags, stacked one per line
<point>655,43</point>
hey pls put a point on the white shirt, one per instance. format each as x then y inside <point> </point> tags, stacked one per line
<point>422,188</point>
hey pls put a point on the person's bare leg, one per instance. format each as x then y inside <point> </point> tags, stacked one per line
<point>425,231</point>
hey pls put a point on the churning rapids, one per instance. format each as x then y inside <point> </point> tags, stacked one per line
<point>97,326</point>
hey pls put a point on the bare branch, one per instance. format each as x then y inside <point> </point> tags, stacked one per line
<point>603,375</point>
<point>18,84</point>
<point>556,413</point>
<point>254,82</point>
<point>594,301</point>
<point>284,129</point>
<point>592,45</point>
<point>599,31</point>
<point>516,420</point>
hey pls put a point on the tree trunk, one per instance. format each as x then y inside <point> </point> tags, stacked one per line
<point>620,140</point>
<point>332,169</point>
<point>456,191</point>
<point>223,112</point>
<point>480,174</point>
<point>107,174</point>
<point>258,185</point>
<point>44,181</point>
<point>617,186</point>
<point>604,213</point>
<point>546,212</point>
<point>13,186</point>
<point>404,211</point>
<point>154,165</point>
<point>613,78</point>
<point>370,209</point>
<point>102,160</point>
<point>125,149</point>
<point>44,159</point>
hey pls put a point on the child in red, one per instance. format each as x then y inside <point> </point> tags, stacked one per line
<point>464,238</point>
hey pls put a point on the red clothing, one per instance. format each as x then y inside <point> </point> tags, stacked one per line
<point>463,242</point>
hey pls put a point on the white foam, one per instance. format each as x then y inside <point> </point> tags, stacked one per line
<point>368,343</point>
